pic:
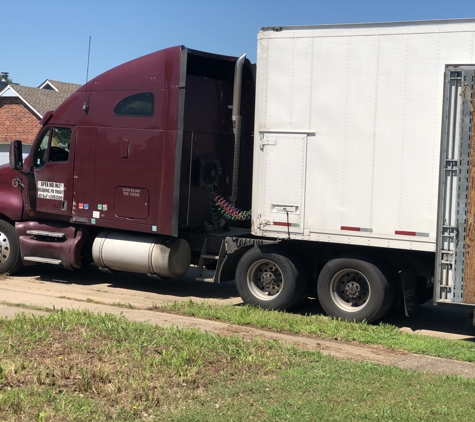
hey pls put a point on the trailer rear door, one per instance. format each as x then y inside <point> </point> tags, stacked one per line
<point>455,260</point>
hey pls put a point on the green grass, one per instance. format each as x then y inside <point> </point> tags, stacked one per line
<point>79,366</point>
<point>327,328</point>
<point>317,326</point>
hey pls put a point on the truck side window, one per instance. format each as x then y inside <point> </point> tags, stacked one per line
<point>54,147</point>
<point>137,105</point>
<point>41,154</point>
<point>60,143</point>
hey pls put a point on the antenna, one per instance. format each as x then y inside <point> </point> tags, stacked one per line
<point>85,107</point>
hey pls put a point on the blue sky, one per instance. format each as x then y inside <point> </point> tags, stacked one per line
<point>49,39</point>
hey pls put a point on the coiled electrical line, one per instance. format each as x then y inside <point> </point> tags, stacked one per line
<point>218,203</point>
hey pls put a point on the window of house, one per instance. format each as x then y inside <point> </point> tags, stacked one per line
<point>137,105</point>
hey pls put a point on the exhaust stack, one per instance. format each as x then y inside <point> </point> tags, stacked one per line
<point>237,122</point>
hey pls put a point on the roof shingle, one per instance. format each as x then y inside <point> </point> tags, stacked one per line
<point>43,100</point>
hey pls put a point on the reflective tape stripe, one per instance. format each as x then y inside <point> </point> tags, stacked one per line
<point>279,223</point>
<point>284,224</point>
<point>408,233</point>
<point>356,229</point>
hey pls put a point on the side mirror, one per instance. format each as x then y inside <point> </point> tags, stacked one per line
<point>16,156</point>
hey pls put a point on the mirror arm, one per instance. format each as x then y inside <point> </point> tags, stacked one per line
<point>28,174</point>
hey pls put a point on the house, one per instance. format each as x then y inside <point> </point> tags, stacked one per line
<point>22,107</point>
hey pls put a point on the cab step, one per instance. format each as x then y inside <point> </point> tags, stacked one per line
<point>43,233</point>
<point>206,256</point>
<point>43,260</point>
<point>206,279</point>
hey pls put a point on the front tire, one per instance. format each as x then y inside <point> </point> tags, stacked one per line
<point>10,260</point>
<point>268,278</point>
<point>354,290</point>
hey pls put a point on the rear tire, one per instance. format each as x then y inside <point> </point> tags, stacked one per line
<point>10,260</point>
<point>354,290</point>
<point>267,277</point>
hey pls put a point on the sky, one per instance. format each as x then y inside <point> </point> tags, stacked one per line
<point>49,39</point>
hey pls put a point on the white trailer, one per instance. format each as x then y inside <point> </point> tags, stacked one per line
<point>347,162</point>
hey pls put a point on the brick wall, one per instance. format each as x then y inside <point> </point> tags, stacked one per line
<point>17,121</point>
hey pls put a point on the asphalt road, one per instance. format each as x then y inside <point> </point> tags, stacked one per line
<point>51,284</point>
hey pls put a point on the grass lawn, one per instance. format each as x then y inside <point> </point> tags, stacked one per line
<point>327,328</point>
<point>79,366</point>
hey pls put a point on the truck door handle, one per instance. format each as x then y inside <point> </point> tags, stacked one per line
<point>124,148</point>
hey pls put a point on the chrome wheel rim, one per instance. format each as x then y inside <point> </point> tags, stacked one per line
<point>4,248</point>
<point>350,290</point>
<point>265,279</point>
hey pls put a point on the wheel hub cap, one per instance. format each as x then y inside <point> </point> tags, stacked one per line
<point>268,279</point>
<point>353,289</point>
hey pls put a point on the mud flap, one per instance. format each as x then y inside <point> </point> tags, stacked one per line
<point>411,304</point>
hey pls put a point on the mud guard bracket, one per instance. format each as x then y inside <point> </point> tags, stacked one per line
<point>411,303</point>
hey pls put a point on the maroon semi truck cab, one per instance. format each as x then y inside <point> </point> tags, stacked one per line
<point>123,170</point>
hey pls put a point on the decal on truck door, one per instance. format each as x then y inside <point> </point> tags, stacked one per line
<point>50,190</point>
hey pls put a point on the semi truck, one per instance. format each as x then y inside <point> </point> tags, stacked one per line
<point>339,167</point>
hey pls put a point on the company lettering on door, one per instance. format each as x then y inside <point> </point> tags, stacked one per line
<point>51,190</point>
<point>131,192</point>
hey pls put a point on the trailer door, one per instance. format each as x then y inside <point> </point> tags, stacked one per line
<point>282,176</point>
<point>455,260</point>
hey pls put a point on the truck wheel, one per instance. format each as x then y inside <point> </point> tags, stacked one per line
<point>268,278</point>
<point>10,261</point>
<point>354,290</point>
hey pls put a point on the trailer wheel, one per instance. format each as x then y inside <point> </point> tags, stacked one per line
<point>10,261</point>
<point>354,290</point>
<point>267,277</point>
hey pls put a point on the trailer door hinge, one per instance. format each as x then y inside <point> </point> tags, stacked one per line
<point>266,141</point>
<point>259,223</point>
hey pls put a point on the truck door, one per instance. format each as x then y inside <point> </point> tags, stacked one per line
<point>53,164</point>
